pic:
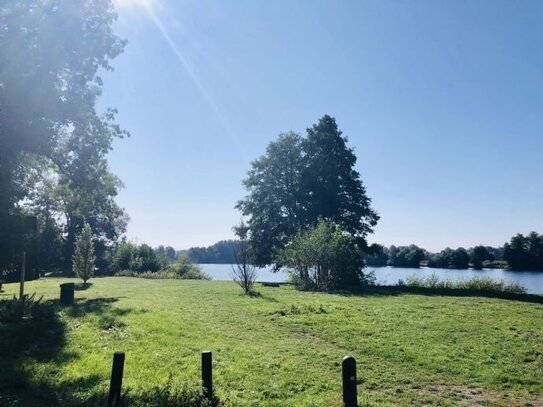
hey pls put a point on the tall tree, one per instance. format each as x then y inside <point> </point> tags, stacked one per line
<point>299,181</point>
<point>51,51</point>
<point>274,202</point>
<point>331,186</point>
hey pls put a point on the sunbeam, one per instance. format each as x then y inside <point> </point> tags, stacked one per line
<point>208,97</point>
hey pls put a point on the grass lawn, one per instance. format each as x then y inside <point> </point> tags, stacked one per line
<point>282,348</point>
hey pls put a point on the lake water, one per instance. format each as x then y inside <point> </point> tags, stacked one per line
<point>531,280</point>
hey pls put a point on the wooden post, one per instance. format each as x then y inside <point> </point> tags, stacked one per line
<point>114,399</point>
<point>350,398</point>
<point>22,283</point>
<point>207,374</point>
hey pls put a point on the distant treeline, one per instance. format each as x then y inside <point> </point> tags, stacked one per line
<point>522,253</point>
<point>220,253</point>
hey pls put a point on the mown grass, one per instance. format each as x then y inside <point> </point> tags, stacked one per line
<point>280,348</point>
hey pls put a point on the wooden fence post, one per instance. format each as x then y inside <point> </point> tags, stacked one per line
<point>114,399</point>
<point>207,374</point>
<point>350,398</point>
<point>22,281</point>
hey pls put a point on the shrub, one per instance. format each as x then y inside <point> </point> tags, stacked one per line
<point>323,258</point>
<point>244,271</point>
<point>184,268</point>
<point>14,310</point>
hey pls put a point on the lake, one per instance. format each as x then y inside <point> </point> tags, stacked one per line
<point>531,280</point>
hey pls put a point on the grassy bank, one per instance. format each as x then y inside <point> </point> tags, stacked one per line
<point>281,348</point>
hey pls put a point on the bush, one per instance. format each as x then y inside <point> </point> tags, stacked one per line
<point>14,310</point>
<point>184,268</point>
<point>139,259</point>
<point>323,258</point>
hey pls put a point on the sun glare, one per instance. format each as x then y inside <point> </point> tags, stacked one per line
<point>132,4</point>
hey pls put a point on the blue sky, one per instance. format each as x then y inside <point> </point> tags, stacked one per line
<point>442,101</point>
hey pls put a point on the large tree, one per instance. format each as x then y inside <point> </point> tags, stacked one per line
<point>51,52</point>
<point>299,181</point>
<point>524,252</point>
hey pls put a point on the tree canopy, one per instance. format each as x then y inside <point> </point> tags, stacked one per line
<point>53,141</point>
<point>299,181</point>
<point>405,256</point>
<point>524,252</point>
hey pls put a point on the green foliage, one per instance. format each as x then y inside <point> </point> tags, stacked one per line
<point>221,252</point>
<point>449,258</point>
<point>184,268</point>
<point>14,310</point>
<point>524,252</point>
<point>323,258</point>
<point>300,180</point>
<point>54,142</point>
<point>136,258</point>
<point>83,258</point>
<point>476,283</point>
<point>480,254</point>
<point>377,256</point>
<point>406,256</point>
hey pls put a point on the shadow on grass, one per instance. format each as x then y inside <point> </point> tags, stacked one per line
<point>39,337</point>
<point>82,286</point>
<point>450,292</point>
<point>90,306</point>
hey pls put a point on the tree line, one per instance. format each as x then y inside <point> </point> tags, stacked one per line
<point>521,253</point>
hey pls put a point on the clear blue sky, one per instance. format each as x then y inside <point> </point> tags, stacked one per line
<point>442,101</point>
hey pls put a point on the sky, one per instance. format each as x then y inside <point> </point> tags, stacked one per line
<point>442,102</point>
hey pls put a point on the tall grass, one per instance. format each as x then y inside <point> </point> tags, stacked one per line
<point>476,283</point>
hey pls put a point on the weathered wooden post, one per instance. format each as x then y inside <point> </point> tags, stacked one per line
<point>207,374</point>
<point>67,293</point>
<point>350,398</point>
<point>22,283</point>
<point>114,399</point>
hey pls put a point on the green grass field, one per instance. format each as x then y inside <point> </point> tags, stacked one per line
<point>282,348</point>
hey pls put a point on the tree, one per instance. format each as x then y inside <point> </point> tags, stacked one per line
<point>136,258</point>
<point>378,257</point>
<point>83,258</point>
<point>170,253</point>
<point>449,258</point>
<point>297,182</point>
<point>479,254</point>
<point>51,51</point>
<point>406,256</point>
<point>243,271</point>
<point>524,252</point>
<point>324,258</point>
<point>274,203</point>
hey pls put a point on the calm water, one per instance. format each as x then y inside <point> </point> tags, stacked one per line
<point>532,281</point>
